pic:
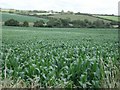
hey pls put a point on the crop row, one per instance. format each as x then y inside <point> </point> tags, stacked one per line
<point>44,64</point>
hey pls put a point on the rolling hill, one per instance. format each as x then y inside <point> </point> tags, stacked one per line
<point>20,18</point>
<point>78,17</point>
<point>31,19</point>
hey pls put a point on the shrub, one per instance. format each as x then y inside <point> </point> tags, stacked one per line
<point>59,23</point>
<point>99,24</point>
<point>65,22</point>
<point>78,24</point>
<point>54,23</point>
<point>11,22</point>
<point>25,24</point>
<point>39,23</point>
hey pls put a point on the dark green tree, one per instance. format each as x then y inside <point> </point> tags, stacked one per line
<point>25,24</point>
<point>65,22</point>
<point>39,23</point>
<point>11,22</point>
<point>54,23</point>
<point>99,24</point>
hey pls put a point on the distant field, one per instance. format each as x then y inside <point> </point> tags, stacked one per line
<point>114,18</point>
<point>20,18</point>
<point>52,34</point>
<point>77,17</point>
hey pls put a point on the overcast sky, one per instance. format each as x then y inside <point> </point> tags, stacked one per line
<point>84,6</point>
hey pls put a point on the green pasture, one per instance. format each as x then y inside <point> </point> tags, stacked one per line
<point>114,18</point>
<point>20,18</point>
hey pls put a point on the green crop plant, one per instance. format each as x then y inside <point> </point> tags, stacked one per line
<point>58,58</point>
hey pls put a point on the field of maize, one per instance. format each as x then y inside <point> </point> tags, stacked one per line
<point>60,58</point>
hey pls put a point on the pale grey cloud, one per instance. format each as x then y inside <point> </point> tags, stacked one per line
<point>85,6</point>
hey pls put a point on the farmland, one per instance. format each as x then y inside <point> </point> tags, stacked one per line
<point>77,17</point>
<point>20,18</point>
<point>113,18</point>
<point>60,57</point>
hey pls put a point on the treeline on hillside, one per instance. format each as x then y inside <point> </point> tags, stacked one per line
<point>13,22</point>
<point>63,23</point>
